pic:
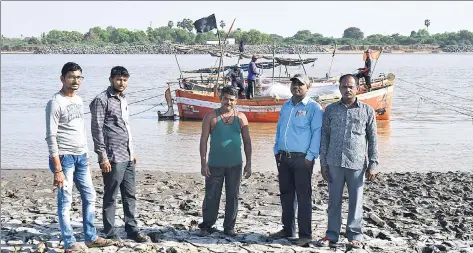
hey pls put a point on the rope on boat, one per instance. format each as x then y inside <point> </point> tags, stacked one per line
<point>418,106</point>
<point>136,91</point>
<point>160,95</point>
<point>464,111</point>
<point>134,102</point>
<point>160,104</point>
<point>439,91</point>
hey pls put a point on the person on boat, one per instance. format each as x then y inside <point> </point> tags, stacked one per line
<point>237,79</point>
<point>69,158</point>
<point>113,144</point>
<point>366,71</point>
<point>297,146</point>
<point>348,153</point>
<point>226,128</point>
<point>252,74</point>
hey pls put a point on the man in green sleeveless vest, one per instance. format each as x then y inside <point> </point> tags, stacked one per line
<point>226,128</point>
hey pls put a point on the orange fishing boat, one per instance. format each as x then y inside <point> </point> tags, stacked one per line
<point>195,98</point>
<point>194,104</point>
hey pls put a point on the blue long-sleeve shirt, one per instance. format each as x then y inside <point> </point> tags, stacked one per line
<point>252,70</point>
<point>299,128</point>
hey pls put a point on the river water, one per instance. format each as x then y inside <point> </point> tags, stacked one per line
<point>422,135</point>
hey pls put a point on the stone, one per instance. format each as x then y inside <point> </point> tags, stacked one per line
<point>15,242</point>
<point>52,244</point>
<point>14,222</point>
<point>141,247</point>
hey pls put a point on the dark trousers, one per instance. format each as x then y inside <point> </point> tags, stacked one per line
<point>295,180</point>
<point>213,192</point>
<point>367,79</point>
<point>122,176</point>
<point>250,92</point>
<point>239,86</point>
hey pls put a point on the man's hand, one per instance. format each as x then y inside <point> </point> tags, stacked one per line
<point>205,171</point>
<point>247,170</point>
<point>309,164</point>
<point>370,174</point>
<point>134,160</point>
<point>278,160</point>
<point>106,167</point>
<point>59,179</point>
<point>324,172</point>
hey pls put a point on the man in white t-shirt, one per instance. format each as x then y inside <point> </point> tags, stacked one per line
<point>68,158</point>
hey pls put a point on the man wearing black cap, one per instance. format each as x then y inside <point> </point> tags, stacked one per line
<point>237,79</point>
<point>297,146</point>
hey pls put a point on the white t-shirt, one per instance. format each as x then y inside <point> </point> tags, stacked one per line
<point>65,126</point>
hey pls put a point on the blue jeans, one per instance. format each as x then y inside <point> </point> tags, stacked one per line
<point>76,171</point>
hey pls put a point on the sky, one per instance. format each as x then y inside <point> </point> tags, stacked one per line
<point>280,17</point>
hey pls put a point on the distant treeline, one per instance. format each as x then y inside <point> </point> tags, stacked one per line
<point>183,33</point>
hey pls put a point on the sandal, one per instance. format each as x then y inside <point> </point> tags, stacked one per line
<point>74,248</point>
<point>139,237</point>
<point>326,242</point>
<point>101,242</point>
<point>356,244</point>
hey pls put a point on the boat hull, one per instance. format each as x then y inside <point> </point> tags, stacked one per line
<point>193,105</point>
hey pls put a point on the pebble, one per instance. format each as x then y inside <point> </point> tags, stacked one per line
<point>427,218</point>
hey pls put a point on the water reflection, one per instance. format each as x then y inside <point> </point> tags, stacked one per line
<point>384,128</point>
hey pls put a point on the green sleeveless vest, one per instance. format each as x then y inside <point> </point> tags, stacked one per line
<point>225,144</point>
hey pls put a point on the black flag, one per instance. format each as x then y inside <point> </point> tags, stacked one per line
<point>205,24</point>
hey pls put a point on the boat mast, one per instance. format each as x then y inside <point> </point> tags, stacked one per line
<point>221,56</point>
<point>273,60</point>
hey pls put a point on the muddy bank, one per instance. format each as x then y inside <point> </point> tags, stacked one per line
<point>414,212</point>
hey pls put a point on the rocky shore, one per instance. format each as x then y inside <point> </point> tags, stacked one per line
<point>404,212</point>
<point>458,49</point>
<point>167,49</point>
<point>250,49</point>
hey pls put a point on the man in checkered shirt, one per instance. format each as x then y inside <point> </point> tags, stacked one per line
<point>114,146</point>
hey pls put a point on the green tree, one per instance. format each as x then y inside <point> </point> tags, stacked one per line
<point>187,24</point>
<point>33,41</point>
<point>353,33</point>
<point>119,35</point>
<point>427,23</point>
<point>202,38</point>
<point>302,35</point>
<point>170,24</point>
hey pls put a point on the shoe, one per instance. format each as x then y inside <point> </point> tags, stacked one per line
<point>139,237</point>
<point>303,241</point>
<point>101,242</point>
<point>326,242</point>
<point>114,238</point>
<point>281,234</point>
<point>230,232</point>
<point>355,244</point>
<point>204,232</point>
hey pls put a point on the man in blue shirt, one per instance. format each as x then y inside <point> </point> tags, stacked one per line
<point>297,145</point>
<point>252,73</point>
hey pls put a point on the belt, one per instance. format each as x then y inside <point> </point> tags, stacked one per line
<point>291,154</point>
